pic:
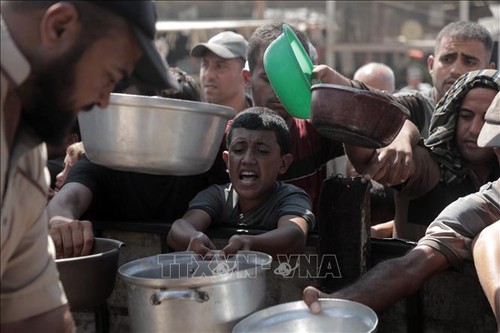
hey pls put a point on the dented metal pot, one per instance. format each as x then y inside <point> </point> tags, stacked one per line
<point>182,292</point>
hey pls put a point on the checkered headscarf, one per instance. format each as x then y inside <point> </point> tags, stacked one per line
<point>442,128</point>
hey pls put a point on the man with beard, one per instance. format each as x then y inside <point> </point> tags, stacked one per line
<point>57,58</point>
<point>94,192</point>
<point>448,164</point>
<point>467,229</point>
<point>310,150</point>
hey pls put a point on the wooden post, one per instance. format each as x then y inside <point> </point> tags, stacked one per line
<point>344,231</point>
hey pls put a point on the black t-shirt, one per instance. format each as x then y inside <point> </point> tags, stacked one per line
<point>130,196</point>
<point>55,166</point>
<point>221,203</point>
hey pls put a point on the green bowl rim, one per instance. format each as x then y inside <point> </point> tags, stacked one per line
<point>290,35</point>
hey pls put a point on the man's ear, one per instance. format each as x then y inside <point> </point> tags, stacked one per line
<point>246,76</point>
<point>430,63</point>
<point>286,160</point>
<point>225,157</point>
<point>60,27</point>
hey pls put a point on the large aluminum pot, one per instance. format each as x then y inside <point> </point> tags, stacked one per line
<point>337,315</point>
<point>154,135</point>
<point>182,292</point>
<point>89,280</point>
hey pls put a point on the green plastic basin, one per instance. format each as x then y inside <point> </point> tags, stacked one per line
<point>289,70</point>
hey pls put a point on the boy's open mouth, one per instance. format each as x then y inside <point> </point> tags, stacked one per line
<point>248,176</point>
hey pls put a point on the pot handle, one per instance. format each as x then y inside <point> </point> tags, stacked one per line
<point>194,295</point>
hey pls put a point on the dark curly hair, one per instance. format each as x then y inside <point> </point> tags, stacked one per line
<point>262,118</point>
<point>265,35</point>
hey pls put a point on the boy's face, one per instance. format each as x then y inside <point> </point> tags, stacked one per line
<point>254,162</point>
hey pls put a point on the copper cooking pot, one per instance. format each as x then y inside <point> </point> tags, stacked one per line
<point>354,116</point>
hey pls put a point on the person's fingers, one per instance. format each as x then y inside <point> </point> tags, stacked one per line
<point>394,173</point>
<point>210,245</point>
<point>382,173</point>
<point>311,298</point>
<point>376,166</point>
<point>210,254</point>
<point>88,238</point>
<point>407,170</point>
<point>57,240</point>
<point>77,238</point>
<point>198,247</point>
<point>400,169</point>
<point>231,248</point>
<point>322,73</point>
<point>67,240</point>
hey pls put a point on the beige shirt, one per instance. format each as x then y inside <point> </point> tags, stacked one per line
<point>458,224</point>
<point>28,274</point>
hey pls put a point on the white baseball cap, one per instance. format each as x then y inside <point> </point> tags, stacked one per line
<point>490,133</point>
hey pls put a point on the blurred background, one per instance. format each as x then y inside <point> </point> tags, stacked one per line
<point>346,34</point>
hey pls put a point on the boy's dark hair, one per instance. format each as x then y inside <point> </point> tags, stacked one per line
<point>189,89</point>
<point>262,118</point>
<point>466,31</point>
<point>265,35</point>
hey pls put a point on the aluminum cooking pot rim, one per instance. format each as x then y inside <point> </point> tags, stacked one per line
<point>190,282</point>
<point>149,102</point>
<point>104,254</point>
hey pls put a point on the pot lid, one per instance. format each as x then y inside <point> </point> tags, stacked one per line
<point>337,315</point>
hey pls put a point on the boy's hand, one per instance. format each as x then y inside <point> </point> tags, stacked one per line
<point>200,244</point>
<point>235,244</point>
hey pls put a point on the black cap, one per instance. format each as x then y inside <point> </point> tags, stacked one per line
<point>151,69</point>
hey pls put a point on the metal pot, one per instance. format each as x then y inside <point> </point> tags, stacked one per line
<point>89,280</point>
<point>337,315</point>
<point>182,292</point>
<point>357,117</point>
<point>154,135</point>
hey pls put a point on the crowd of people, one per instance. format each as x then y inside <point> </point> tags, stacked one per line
<point>439,177</point>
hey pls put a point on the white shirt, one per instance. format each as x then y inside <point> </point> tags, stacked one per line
<point>28,274</point>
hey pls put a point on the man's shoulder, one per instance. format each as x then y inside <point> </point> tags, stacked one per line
<point>426,95</point>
